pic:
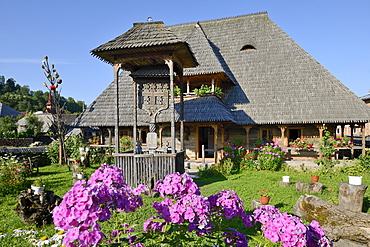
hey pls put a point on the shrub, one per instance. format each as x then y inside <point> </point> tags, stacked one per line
<point>126,143</point>
<point>13,174</point>
<point>270,156</point>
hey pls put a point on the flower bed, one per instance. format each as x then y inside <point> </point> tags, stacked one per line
<point>301,143</point>
<point>342,142</point>
<point>183,215</point>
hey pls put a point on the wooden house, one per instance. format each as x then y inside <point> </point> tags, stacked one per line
<point>271,88</point>
<point>8,111</point>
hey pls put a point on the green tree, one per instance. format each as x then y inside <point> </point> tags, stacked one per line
<point>7,125</point>
<point>34,125</point>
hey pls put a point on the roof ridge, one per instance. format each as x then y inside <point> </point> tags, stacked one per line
<point>221,19</point>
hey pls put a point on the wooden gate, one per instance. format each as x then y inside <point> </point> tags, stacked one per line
<point>148,168</point>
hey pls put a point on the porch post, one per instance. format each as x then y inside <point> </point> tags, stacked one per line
<point>247,129</point>
<point>169,62</point>
<point>321,131</point>
<point>116,127</point>
<point>284,142</point>
<point>182,148</point>
<point>363,143</point>
<point>134,129</point>
<point>215,140</point>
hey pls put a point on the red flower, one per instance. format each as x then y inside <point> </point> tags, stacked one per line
<point>53,88</point>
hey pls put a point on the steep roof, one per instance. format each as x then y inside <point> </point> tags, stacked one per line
<point>47,120</point>
<point>208,62</point>
<point>145,37</point>
<point>280,82</point>
<point>366,97</point>
<point>7,111</point>
<point>277,82</point>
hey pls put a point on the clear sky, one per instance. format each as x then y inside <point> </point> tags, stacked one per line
<point>334,32</point>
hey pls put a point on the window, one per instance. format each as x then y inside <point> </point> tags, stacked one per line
<point>267,134</point>
<point>248,47</point>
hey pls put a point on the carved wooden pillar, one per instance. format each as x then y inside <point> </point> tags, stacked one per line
<point>247,129</point>
<point>169,62</point>
<point>116,68</point>
<point>182,148</point>
<point>196,142</point>
<point>363,133</point>
<point>284,142</point>
<point>215,140</point>
<point>321,131</point>
<point>134,131</point>
<point>342,126</point>
<point>222,135</point>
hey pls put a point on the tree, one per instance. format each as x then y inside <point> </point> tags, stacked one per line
<point>34,125</point>
<point>8,126</point>
<point>56,108</point>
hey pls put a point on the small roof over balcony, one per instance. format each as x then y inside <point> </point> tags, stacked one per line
<point>145,44</point>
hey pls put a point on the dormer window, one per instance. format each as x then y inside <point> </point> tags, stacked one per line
<point>248,47</point>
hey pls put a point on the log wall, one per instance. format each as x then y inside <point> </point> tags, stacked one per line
<point>16,142</point>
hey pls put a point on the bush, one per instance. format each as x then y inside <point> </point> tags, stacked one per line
<point>13,175</point>
<point>270,156</point>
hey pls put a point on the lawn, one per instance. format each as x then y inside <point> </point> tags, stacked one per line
<point>247,185</point>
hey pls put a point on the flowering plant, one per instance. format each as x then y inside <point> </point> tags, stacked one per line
<point>13,174</point>
<point>94,140</point>
<point>267,193</point>
<point>289,229</point>
<point>93,201</point>
<point>184,211</point>
<point>301,143</point>
<point>342,142</point>
<point>270,156</point>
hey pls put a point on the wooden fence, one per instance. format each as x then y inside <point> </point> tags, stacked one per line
<point>148,168</point>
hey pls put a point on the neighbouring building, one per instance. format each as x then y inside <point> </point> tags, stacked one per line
<point>271,88</point>
<point>8,111</point>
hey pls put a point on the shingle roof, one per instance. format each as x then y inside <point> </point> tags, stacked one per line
<point>208,62</point>
<point>365,97</point>
<point>7,111</point>
<point>276,83</point>
<point>145,37</point>
<point>102,111</point>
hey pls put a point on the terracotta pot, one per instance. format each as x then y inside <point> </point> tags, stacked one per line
<point>264,200</point>
<point>315,178</point>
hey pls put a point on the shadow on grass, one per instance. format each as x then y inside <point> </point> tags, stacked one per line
<point>205,181</point>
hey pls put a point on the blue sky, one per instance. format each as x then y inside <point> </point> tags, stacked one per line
<point>334,32</point>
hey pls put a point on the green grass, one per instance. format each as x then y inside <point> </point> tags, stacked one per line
<point>247,185</point>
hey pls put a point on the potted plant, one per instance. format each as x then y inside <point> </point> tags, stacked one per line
<point>342,142</point>
<point>286,179</point>
<point>301,143</point>
<point>355,172</point>
<point>265,196</point>
<point>37,186</point>
<point>80,172</point>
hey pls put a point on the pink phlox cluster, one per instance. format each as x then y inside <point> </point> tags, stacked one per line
<point>316,236</point>
<point>265,213</point>
<point>88,203</point>
<point>289,229</point>
<point>176,185</point>
<point>109,175</point>
<point>229,203</point>
<point>188,208</point>
<point>235,238</point>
